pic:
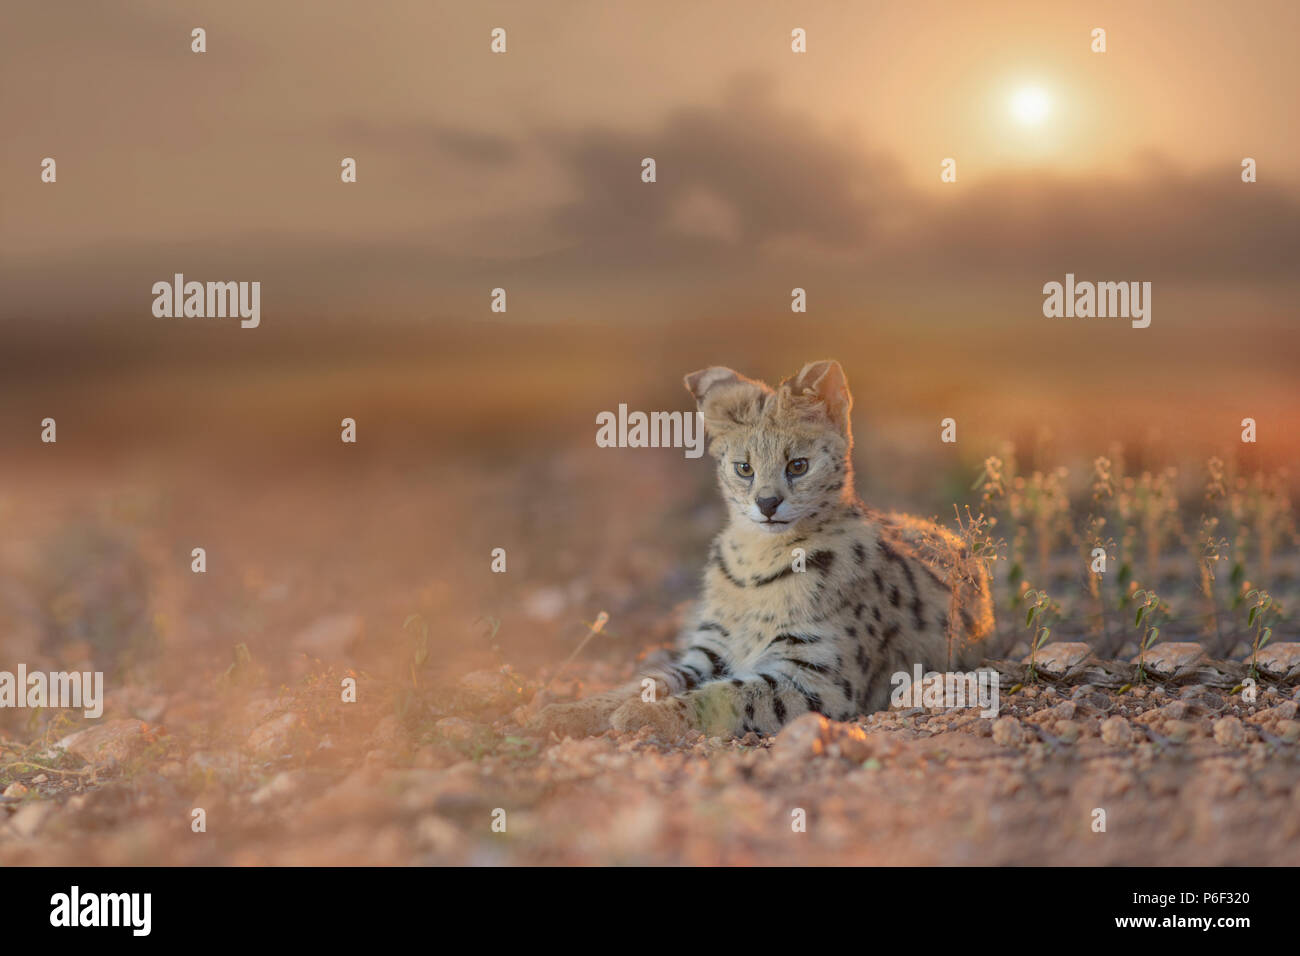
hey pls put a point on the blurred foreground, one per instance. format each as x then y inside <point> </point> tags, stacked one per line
<point>224,688</point>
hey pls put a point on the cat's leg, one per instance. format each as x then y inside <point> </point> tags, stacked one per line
<point>730,707</point>
<point>592,715</point>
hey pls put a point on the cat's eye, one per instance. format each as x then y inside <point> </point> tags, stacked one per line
<point>797,467</point>
<point>744,469</point>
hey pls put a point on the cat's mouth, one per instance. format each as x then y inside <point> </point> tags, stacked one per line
<point>771,524</point>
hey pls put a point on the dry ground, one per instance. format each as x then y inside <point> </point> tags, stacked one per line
<point>315,577</point>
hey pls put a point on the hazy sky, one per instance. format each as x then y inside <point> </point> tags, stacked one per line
<point>775,170</point>
<point>229,160</point>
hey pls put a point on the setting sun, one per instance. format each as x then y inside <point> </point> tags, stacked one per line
<point>1030,105</point>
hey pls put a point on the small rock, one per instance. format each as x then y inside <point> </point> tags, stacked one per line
<point>15,789</point>
<point>803,737</point>
<point>1283,711</point>
<point>40,778</point>
<point>115,741</point>
<point>1068,730</point>
<point>1007,732</point>
<point>1229,731</point>
<point>1181,731</point>
<point>1278,660</point>
<point>852,742</point>
<point>274,737</point>
<point>1174,710</point>
<point>1116,731</point>
<point>1167,659</point>
<point>812,735</point>
<point>30,817</point>
<point>1059,657</point>
<point>1289,731</point>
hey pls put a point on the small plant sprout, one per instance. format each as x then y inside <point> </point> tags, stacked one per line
<point>990,483</point>
<point>1216,482</point>
<point>1255,618</point>
<point>981,551</point>
<point>1211,549</point>
<point>1093,538</point>
<point>1038,603</point>
<point>418,628</point>
<point>1040,503</point>
<point>1262,511</point>
<point>1148,603</point>
<point>1103,480</point>
<point>593,628</point>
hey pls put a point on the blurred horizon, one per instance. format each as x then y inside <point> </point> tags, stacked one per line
<point>521,171</point>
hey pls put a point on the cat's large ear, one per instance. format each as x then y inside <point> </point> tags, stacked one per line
<point>822,382</point>
<point>727,399</point>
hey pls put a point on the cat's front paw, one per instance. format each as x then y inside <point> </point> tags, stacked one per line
<point>583,718</point>
<point>669,718</point>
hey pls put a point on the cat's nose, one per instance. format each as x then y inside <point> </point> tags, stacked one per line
<point>768,505</point>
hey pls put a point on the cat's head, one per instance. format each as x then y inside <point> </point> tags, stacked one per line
<point>783,454</point>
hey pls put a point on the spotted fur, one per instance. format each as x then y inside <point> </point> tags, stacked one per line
<point>811,601</point>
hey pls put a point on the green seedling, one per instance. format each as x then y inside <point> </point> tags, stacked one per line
<point>1255,618</point>
<point>1148,604</point>
<point>1038,603</point>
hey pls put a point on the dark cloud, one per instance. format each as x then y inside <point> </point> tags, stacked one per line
<point>1162,222</point>
<point>785,178</point>
<point>782,175</point>
<point>802,200</point>
<point>430,142</point>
